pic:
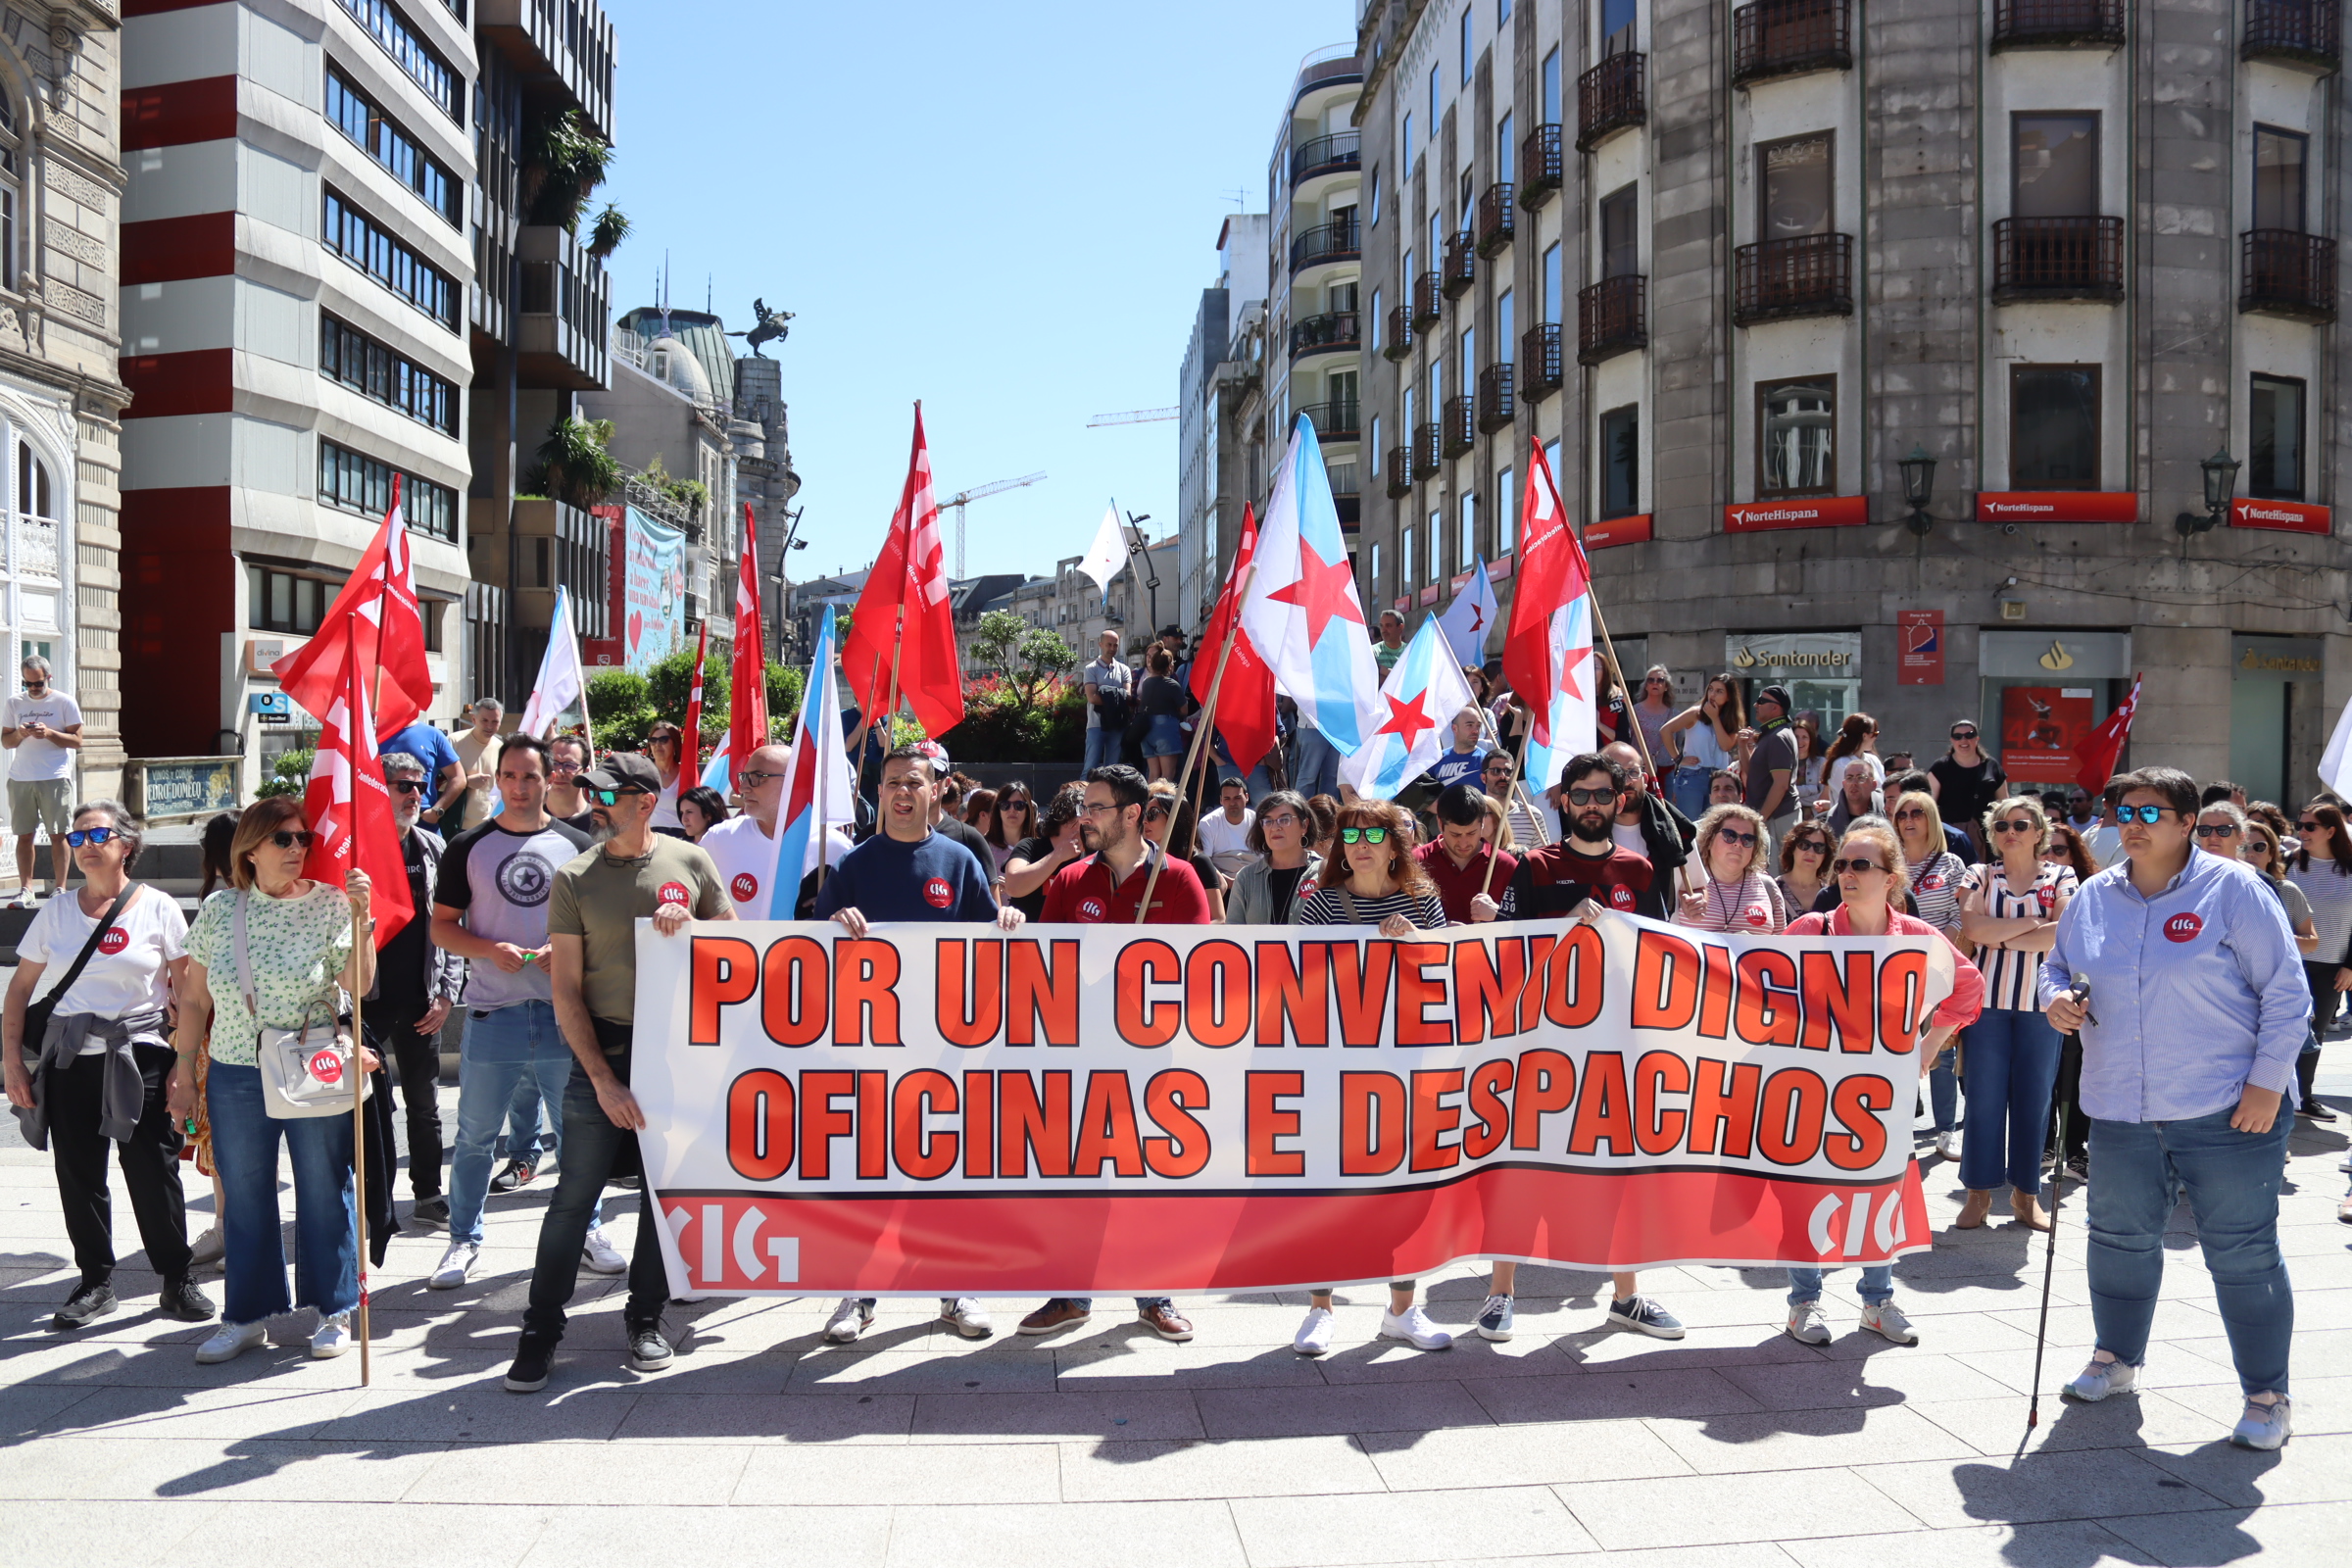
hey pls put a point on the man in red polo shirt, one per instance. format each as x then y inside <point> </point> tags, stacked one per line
<point>1459,859</point>
<point>1106,888</point>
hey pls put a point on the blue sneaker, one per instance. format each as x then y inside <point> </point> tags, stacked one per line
<point>1495,1317</point>
<point>1646,1316</point>
<point>2100,1379</point>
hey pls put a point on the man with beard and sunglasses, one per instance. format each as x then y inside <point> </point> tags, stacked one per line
<point>1559,881</point>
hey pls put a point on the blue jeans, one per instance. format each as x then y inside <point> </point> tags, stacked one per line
<point>1878,1284</point>
<point>525,1137</point>
<point>592,1153</point>
<point>2232,1180</point>
<point>1317,767</point>
<point>1101,748</point>
<point>1944,1090</point>
<point>326,1248</point>
<point>504,1047</point>
<point>1687,788</point>
<point>2012,1067</point>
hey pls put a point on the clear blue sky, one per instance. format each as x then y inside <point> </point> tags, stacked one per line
<point>1007,212</point>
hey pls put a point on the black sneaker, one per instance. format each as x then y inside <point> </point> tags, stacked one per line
<point>433,1211</point>
<point>532,1360</point>
<point>2316,1111</point>
<point>516,1174</point>
<point>628,1184</point>
<point>183,1301</point>
<point>90,1299</point>
<point>649,1352</point>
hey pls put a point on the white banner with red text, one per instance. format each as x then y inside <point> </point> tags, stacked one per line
<point>948,1110</point>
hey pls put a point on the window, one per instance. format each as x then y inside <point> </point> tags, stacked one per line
<point>1506,514</point>
<point>286,600</point>
<point>1407,582</point>
<point>2278,178</point>
<point>1437,232</point>
<point>34,496</point>
<point>1549,86</point>
<point>1405,288</point>
<point>1504,152</point>
<point>1376,318</point>
<point>1408,411</point>
<point>1503,321</point>
<point>10,187</point>
<point>1404,159</point>
<point>1469,360</point>
<point>1375,203</point>
<point>408,49</point>
<point>351,234</point>
<point>1552,283</point>
<point>1620,463</point>
<point>1793,188</point>
<point>1794,422</point>
<point>1469,14</point>
<point>373,371</point>
<point>2275,431</point>
<point>1374,464</point>
<point>1434,112</point>
<point>1502,12</point>
<point>1551,460</point>
<point>2056,166</point>
<point>1620,240</point>
<point>1466,198</point>
<point>1469,541</point>
<point>364,123</point>
<point>1373,583</point>
<point>1616,28</point>
<point>2054,427</point>
<point>1437,388</point>
<point>354,482</point>
<point>1432,568</point>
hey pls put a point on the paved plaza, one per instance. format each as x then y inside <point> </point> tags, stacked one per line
<point>1735,1447</point>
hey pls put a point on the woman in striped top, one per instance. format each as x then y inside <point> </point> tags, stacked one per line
<point>1373,880</point>
<point>2011,913</point>
<point>1934,873</point>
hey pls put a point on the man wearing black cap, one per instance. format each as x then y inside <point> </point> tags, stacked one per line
<point>592,915</point>
<point>1772,762</point>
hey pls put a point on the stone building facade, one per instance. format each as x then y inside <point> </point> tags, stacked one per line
<point>1731,265</point>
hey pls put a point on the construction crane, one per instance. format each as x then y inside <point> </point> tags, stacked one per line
<point>1132,416</point>
<point>974,493</point>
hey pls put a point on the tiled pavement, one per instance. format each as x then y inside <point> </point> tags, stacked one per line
<point>1734,1446</point>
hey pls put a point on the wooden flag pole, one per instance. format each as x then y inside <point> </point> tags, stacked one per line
<point>1201,732</point>
<point>359,1144</point>
<point>1486,885</point>
<point>1487,727</point>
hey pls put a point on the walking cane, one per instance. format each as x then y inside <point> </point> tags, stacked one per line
<point>2081,992</point>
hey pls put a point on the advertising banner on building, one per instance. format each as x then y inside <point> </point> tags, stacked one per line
<point>2042,730</point>
<point>653,618</point>
<point>1919,647</point>
<point>948,1109</point>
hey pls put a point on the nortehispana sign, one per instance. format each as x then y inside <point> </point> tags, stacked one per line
<point>1084,1111</point>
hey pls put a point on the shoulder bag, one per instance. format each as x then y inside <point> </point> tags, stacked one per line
<point>38,1013</point>
<point>307,1071</point>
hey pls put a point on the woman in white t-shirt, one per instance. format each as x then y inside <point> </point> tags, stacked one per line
<point>102,1069</point>
<point>665,744</point>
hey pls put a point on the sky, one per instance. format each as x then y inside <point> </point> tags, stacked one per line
<point>1007,212</point>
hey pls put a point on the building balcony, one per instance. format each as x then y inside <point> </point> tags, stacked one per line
<point>1540,371</point>
<point>556,46</point>
<point>2301,32</point>
<point>1609,98</point>
<point>1341,152</point>
<point>2058,259</point>
<point>1612,318</point>
<point>1811,274</point>
<point>1496,407</point>
<point>1429,301</point>
<point>1457,431</point>
<point>1332,332</point>
<point>1496,219</point>
<point>1397,342</point>
<point>1791,37</point>
<point>1335,420</point>
<point>2056,24</point>
<point>1461,264</point>
<point>563,330</point>
<point>1327,242</point>
<point>1400,472</point>
<point>1427,455</point>
<point>1539,165</point>
<point>2282,273</point>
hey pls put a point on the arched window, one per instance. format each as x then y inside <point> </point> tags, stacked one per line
<point>12,185</point>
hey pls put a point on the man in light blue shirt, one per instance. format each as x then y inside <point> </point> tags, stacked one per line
<point>2197,1008</point>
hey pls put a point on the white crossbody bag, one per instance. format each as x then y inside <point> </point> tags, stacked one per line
<point>305,1071</point>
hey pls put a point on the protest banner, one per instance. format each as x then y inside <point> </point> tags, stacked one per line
<point>1111,1109</point>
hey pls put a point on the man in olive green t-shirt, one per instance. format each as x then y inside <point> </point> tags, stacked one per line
<point>593,910</point>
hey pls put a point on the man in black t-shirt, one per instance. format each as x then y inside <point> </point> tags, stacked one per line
<point>415,986</point>
<point>1966,783</point>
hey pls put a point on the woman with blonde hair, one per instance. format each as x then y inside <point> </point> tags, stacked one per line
<point>1935,874</point>
<point>1869,867</point>
<point>1732,893</point>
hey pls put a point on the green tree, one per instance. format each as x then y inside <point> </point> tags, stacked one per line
<point>620,709</point>
<point>1031,657</point>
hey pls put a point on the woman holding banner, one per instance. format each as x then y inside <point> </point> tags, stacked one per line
<point>1732,893</point>
<point>1871,877</point>
<point>1373,880</point>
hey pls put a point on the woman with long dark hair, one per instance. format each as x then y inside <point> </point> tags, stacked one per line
<point>2321,866</point>
<point>1707,738</point>
<point>1013,820</point>
<point>666,744</point>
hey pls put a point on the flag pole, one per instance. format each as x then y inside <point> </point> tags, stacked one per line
<point>358,1143</point>
<point>1202,733</point>
<point>1486,721</point>
<point>1486,885</point>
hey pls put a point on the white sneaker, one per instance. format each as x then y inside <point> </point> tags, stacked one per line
<point>1889,1321</point>
<point>602,1256</point>
<point>332,1338</point>
<point>850,1319</point>
<point>1807,1323</point>
<point>230,1341</point>
<point>210,1247</point>
<point>2100,1379</point>
<point>1948,1144</point>
<point>968,1317</point>
<point>1414,1326</point>
<point>1314,1335</point>
<point>454,1265</point>
<point>2265,1426</point>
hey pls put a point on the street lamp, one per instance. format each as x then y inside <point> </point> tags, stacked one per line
<point>2221,478</point>
<point>1140,549</point>
<point>1919,483</point>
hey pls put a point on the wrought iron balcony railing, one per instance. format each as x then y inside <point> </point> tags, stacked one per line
<point>2058,258</point>
<point>2035,23</point>
<point>2282,273</point>
<point>1612,318</point>
<point>1498,408</point>
<point>1788,37</point>
<point>1540,371</point>
<point>1811,274</point>
<point>1609,98</point>
<point>1497,218</point>
<point>1540,167</point>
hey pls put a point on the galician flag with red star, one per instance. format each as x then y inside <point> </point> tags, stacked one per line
<point>1420,697</point>
<point>1301,614</point>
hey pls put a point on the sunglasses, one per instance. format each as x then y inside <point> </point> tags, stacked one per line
<point>1363,835</point>
<point>2150,815</point>
<point>1728,836</point>
<point>612,797</point>
<point>1592,797</point>
<point>1964,734</point>
<point>290,839</point>
<point>1155,813</point>
<point>2309,827</point>
<point>564,768</point>
<point>2216,830</point>
<point>1915,815</point>
<point>1811,846</point>
<point>1857,867</point>
<point>90,835</point>
<point>2021,824</point>
<point>408,786</point>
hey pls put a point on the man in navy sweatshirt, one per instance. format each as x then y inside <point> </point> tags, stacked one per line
<point>910,872</point>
